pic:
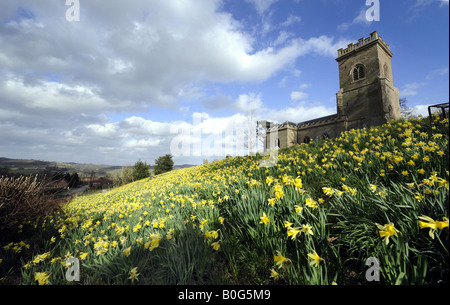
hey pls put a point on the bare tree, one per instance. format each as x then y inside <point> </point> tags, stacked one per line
<point>404,109</point>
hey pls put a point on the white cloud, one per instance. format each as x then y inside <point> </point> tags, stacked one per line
<point>248,103</point>
<point>422,110</point>
<point>299,113</point>
<point>292,19</point>
<point>411,89</point>
<point>60,81</point>
<point>437,73</point>
<point>304,86</point>
<point>298,95</point>
<point>262,5</point>
<point>360,19</point>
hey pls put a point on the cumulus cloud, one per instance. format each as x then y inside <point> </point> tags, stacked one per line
<point>60,81</point>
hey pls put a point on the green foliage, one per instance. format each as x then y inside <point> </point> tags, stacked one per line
<point>125,176</point>
<point>313,219</point>
<point>163,164</point>
<point>141,170</point>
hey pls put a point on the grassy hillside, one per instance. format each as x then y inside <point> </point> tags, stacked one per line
<point>314,218</point>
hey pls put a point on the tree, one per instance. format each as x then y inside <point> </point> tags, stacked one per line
<point>163,164</point>
<point>404,109</point>
<point>141,170</point>
<point>126,175</point>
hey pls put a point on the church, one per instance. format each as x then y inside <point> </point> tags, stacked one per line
<point>367,96</point>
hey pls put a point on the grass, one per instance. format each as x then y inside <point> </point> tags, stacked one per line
<point>314,218</point>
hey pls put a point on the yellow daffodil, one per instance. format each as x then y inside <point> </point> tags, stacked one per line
<point>275,275</point>
<point>279,259</point>
<point>127,251</point>
<point>287,224</point>
<point>298,209</point>
<point>133,274</point>
<point>298,183</point>
<point>433,225</point>
<point>307,229</point>
<point>315,259</point>
<point>292,232</point>
<point>387,231</point>
<point>264,219</point>
<point>311,203</point>
<point>41,278</point>
<point>215,245</point>
<point>328,191</point>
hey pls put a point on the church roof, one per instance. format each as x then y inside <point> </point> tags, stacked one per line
<point>325,119</point>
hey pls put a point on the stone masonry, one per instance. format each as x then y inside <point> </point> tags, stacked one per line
<point>367,96</point>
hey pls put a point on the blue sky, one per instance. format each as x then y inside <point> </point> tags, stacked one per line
<point>128,78</point>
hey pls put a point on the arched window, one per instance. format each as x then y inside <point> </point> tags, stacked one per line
<point>359,72</point>
<point>278,143</point>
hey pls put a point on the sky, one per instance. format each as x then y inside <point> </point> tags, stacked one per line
<point>112,82</point>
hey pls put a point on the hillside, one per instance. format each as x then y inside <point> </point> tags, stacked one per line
<point>314,218</point>
<point>30,167</point>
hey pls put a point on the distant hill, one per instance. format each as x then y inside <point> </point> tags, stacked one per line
<point>31,166</point>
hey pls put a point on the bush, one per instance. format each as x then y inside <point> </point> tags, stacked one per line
<point>21,198</point>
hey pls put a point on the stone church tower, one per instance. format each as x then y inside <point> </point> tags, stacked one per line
<point>367,96</point>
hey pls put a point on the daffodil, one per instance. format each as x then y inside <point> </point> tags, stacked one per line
<point>307,229</point>
<point>298,183</point>
<point>298,209</point>
<point>275,275</point>
<point>311,203</point>
<point>432,224</point>
<point>287,224</point>
<point>264,219</point>
<point>83,255</point>
<point>315,259</point>
<point>292,232</point>
<point>133,274</point>
<point>41,278</point>
<point>127,251</point>
<point>269,180</point>
<point>328,191</point>
<point>215,245</point>
<point>387,231</point>
<point>279,259</point>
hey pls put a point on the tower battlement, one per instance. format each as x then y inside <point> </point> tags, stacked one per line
<point>361,43</point>
<point>367,96</point>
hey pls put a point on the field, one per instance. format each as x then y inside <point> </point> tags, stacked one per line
<point>377,195</point>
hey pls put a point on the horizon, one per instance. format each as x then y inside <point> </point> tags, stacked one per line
<point>112,83</point>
